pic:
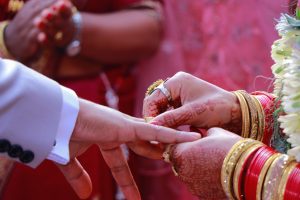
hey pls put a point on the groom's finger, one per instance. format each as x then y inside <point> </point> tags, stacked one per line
<point>146,149</point>
<point>117,163</point>
<point>150,132</point>
<point>77,177</point>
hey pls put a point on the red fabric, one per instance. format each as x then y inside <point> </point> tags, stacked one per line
<point>224,42</point>
<point>47,182</point>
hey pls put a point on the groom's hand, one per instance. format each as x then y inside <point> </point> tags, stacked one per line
<point>109,128</point>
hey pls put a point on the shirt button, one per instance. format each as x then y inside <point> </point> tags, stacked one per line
<point>27,157</point>
<point>15,151</point>
<point>4,145</point>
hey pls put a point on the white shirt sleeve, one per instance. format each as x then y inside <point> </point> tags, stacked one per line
<point>35,111</point>
<point>69,113</point>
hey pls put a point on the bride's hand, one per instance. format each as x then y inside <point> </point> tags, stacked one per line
<point>199,163</point>
<point>194,102</point>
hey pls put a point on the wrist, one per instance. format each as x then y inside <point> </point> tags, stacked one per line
<point>236,122</point>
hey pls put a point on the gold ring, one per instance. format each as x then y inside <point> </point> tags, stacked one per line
<point>153,86</point>
<point>58,35</point>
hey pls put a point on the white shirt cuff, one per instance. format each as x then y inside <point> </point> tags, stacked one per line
<point>69,113</point>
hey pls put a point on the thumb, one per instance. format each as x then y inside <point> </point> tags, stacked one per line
<point>77,177</point>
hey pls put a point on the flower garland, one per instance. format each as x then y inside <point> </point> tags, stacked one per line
<point>286,54</point>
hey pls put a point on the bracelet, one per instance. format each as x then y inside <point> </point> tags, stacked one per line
<point>245,114</point>
<point>230,162</point>
<point>3,49</point>
<point>253,114</point>
<point>271,183</point>
<point>261,118</point>
<point>292,185</point>
<point>239,173</point>
<point>267,101</point>
<point>263,174</point>
<point>252,181</point>
<point>283,182</point>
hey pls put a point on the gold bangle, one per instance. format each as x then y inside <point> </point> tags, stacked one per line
<point>239,166</point>
<point>230,162</point>
<point>261,118</point>
<point>263,173</point>
<point>271,183</point>
<point>282,185</point>
<point>245,114</point>
<point>3,49</point>
<point>253,114</point>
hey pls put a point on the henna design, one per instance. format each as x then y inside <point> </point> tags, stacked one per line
<point>194,170</point>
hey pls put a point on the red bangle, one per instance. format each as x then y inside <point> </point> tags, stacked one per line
<point>267,101</point>
<point>242,176</point>
<point>254,170</point>
<point>293,184</point>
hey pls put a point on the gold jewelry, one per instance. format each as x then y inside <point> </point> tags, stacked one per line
<point>230,162</point>
<point>153,86</point>
<point>272,180</point>
<point>263,173</point>
<point>261,118</point>
<point>58,35</point>
<point>3,49</point>
<point>239,166</point>
<point>166,153</point>
<point>245,114</point>
<point>15,5</point>
<point>253,114</point>
<point>148,119</point>
<point>282,185</point>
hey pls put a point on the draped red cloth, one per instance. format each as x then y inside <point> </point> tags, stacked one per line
<point>226,42</point>
<point>47,182</point>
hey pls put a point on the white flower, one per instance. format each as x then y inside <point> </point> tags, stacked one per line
<point>286,54</point>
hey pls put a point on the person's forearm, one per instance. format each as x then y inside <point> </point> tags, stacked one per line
<point>125,36</point>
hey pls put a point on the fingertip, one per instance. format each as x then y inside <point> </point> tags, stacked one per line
<point>85,187</point>
<point>191,136</point>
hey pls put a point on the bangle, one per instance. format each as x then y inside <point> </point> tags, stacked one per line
<point>254,171</point>
<point>266,100</point>
<point>245,114</point>
<point>3,49</point>
<point>239,173</point>
<point>292,185</point>
<point>230,162</point>
<point>261,118</point>
<point>271,183</point>
<point>263,173</point>
<point>283,182</point>
<point>253,114</point>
